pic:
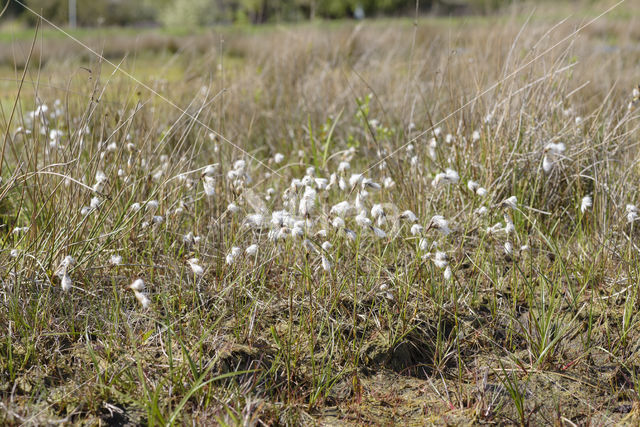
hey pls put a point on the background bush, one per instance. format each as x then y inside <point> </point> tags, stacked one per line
<point>184,13</point>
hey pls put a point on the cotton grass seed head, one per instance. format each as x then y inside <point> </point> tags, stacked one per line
<point>232,255</point>
<point>439,223</point>
<point>508,248</point>
<point>440,259</point>
<point>555,148</point>
<point>547,164</point>
<point>378,232</point>
<point>337,222</point>
<point>65,282</point>
<point>362,220</point>
<point>447,273</point>
<point>197,269</point>
<point>326,264</point>
<point>511,202</point>
<point>137,285</point>
<point>209,185</point>
<point>152,205</point>
<point>586,203</point>
<point>142,299</point>
<point>408,216</point>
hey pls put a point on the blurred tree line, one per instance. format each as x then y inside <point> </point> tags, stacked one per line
<point>183,13</point>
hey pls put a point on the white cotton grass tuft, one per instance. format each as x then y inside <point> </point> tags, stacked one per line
<point>115,260</point>
<point>377,211</point>
<point>508,248</point>
<point>359,202</point>
<point>321,183</point>
<point>20,230</point>
<point>447,273</point>
<point>232,255</point>
<point>433,144</point>
<point>142,299</point>
<point>152,205</point>
<point>278,158</point>
<point>481,211</point>
<point>440,259</point>
<point>555,148</point>
<point>439,223</point>
<point>547,164</point>
<point>197,269</point>
<point>95,203</point>
<point>254,220</point>
<point>65,282</point>
<point>209,185</point>
<point>586,203</point>
<point>341,209</point>
<point>509,227</point>
<point>101,180</point>
<point>481,191</point>
<point>379,233</point>
<point>62,272</point>
<point>343,166</point>
<point>307,202</point>
<point>351,235</point>
<point>368,184</point>
<point>137,285</point>
<point>251,250</point>
<point>408,216</point>
<point>210,170</point>
<point>355,179</point>
<point>337,222</point>
<point>362,220</point>
<point>342,184</point>
<point>189,239</point>
<point>495,229</point>
<point>511,202</point>
<point>321,233</point>
<point>326,264</point>
<point>416,229</point>
<point>552,152</point>
<point>632,213</point>
<point>449,176</point>
<point>296,231</point>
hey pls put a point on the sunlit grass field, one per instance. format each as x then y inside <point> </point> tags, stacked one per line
<point>378,222</point>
